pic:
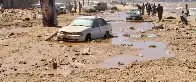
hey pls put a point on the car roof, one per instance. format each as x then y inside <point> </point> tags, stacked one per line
<point>88,17</point>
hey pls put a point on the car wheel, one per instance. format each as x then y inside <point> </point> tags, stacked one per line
<point>88,38</point>
<point>107,35</point>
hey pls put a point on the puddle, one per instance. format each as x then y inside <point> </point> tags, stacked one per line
<point>146,53</point>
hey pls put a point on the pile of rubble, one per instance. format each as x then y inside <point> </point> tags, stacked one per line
<point>20,18</point>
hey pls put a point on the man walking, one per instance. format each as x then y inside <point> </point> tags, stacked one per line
<point>160,12</point>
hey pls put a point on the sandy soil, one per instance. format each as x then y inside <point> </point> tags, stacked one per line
<point>26,56</point>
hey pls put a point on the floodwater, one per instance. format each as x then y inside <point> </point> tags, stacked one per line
<point>146,53</point>
<point>127,32</point>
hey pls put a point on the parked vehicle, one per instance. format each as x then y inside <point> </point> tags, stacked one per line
<point>36,5</point>
<point>100,6</point>
<point>85,28</point>
<point>134,14</point>
<point>89,8</point>
<point>111,6</point>
<point>1,8</point>
<point>61,8</point>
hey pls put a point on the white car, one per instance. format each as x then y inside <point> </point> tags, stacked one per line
<point>85,28</point>
<point>61,8</point>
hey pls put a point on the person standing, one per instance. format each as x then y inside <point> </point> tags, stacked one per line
<point>184,18</point>
<point>80,7</point>
<point>143,7</point>
<point>75,6</point>
<point>139,7</point>
<point>70,8</point>
<point>154,10</point>
<point>187,9</point>
<point>149,8</point>
<point>160,12</point>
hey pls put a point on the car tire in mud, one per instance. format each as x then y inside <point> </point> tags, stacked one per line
<point>88,38</point>
<point>107,35</point>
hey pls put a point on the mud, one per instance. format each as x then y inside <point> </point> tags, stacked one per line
<point>139,52</point>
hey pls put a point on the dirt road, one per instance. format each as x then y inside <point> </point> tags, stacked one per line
<point>140,53</point>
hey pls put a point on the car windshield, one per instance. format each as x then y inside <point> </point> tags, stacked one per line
<point>133,12</point>
<point>82,22</point>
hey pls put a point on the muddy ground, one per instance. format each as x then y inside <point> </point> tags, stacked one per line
<point>142,52</point>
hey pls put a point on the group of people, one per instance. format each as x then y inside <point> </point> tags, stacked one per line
<point>151,9</point>
<point>75,7</point>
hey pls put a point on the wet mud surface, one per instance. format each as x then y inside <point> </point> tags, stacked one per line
<point>138,52</point>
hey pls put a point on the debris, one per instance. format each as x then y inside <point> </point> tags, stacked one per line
<point>97,41</point>
<point>39,36</point>
<point>152,46</point>
<point>54,65</point>
<point>111,11</point>
<point>140,81</point>
<point>43,59</point>
<point>158,26</point>
<point>51,37</point>
<point>170,17</point>
<point>132,28</point>
<point>141,55</point>
<point>6,45</point>
<point>26,19</point>
<point>126,35</point>
<point>11,34</point>
<point>142,36</point>
<point>70,46</point>
<point>22,62</point>
<point>120,63</point>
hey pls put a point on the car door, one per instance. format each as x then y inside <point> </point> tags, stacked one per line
<point>102,27</point>
<point>95,32</point>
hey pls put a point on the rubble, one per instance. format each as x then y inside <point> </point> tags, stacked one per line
<point>158,26</point>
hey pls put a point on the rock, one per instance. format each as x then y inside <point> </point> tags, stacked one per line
<point>140,81</point>
<point>158,26</point>
<point>70,46</point>
<point>39,36</point>
<point>152,46</point>
<point>126,35</point>
<point>43,59</point>
<point>54,65</point>
<point>132,28</point>
<point>6,45</point>
<point>22,62</point>
<point>11,34</point>
<point>26,19</point>
<point>120,63</point>
<point>141,55</point>
<point>142,36</point>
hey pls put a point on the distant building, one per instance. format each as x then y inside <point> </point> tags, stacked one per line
<point>24,3</point>
<point>17,3</point>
